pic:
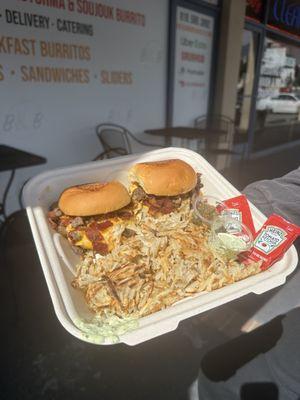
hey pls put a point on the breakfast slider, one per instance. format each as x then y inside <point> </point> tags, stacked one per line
<point>92,216</point>
<point>162,186</point>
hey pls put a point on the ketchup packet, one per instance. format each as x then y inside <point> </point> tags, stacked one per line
<point>272,241</point>
<point>238,208</point>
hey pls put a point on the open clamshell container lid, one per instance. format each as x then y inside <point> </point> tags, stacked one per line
<point>58,261</point>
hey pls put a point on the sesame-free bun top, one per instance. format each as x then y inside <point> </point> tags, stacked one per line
<point>164,178</point>
<point>93,198</point>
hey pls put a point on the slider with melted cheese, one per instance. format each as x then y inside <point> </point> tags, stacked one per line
<point>92,216</point>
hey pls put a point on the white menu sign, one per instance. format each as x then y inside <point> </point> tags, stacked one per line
<point>193,50</point>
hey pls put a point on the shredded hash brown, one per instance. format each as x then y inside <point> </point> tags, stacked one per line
<point>166,260</point>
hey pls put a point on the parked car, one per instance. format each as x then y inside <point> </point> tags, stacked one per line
<point>282,103</point>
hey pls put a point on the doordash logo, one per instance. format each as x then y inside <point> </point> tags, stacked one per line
<point>287,13</point>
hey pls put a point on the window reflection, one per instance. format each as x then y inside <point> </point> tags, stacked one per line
<point>246,78</point>
<point>245,86</point>
<point>278,99</point>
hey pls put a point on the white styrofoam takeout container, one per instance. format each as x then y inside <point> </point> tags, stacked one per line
<point>58,261</point>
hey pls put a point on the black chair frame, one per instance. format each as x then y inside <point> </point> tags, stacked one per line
<point>109,151</point>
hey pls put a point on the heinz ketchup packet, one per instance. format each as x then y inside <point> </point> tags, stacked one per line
<point>238,208</point>
<point>272,241</point>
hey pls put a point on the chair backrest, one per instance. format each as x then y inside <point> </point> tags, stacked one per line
<point>218,138</point>
<point>216,122</point>
<point>114,139</point>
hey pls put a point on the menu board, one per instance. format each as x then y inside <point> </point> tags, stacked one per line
<point>193,51</point>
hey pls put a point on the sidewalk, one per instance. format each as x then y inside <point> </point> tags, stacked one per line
<point>240,174</point>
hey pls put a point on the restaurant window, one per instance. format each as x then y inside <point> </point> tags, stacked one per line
<point>278,98</point>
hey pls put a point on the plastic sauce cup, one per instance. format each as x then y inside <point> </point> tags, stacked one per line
<point>230,237</point>
<point>207,208</point>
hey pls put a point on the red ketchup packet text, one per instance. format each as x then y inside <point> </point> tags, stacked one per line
<point>238,208</point>
<point>272,241</point>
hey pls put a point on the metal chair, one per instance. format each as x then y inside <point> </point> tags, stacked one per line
<point>219,135</point>
<point>214,122</point>
<point>116,140</point>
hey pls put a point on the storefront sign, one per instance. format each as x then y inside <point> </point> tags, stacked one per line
<point>285,15</point>
<point>193,49</point>
<point>255,9</point>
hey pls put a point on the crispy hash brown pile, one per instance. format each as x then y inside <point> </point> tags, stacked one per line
<point>166,258</point>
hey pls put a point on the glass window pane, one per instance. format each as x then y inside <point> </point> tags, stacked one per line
<point>277,106</point>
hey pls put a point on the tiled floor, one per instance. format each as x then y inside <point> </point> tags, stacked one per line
<point>40,360</point>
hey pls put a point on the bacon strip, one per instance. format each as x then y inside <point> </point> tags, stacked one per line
<point>164,205</point>
<point>93,235</point>
<point>124,214</point>
<point>100,247</point>
<point>100,226</point>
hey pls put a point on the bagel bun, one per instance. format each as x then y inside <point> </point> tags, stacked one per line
<point>164,178</point>
<point>93,198</point>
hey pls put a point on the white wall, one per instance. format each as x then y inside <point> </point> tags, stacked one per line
<point>57,120</point>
